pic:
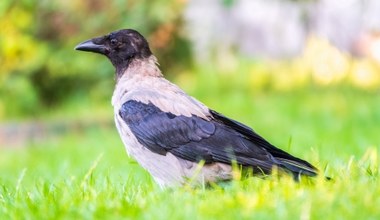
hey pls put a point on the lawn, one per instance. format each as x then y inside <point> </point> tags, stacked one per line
<point>87,175</point>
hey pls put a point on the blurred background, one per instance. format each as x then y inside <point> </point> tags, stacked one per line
<point>301,72</point>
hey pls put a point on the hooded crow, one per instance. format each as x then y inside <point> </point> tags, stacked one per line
<point>169,132</point>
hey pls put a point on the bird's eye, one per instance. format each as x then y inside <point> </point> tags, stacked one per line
<point>113,41</point>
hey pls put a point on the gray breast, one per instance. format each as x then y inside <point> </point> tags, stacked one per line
<point>167,170</point>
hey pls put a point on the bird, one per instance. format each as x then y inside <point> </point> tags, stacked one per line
<point>172,135</point>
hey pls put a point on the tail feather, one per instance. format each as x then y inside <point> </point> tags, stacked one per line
<point>298,167</point>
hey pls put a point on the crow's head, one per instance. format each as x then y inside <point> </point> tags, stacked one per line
<point>121,47</point>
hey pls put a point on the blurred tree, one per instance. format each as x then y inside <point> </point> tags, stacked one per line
<point>39,67</point>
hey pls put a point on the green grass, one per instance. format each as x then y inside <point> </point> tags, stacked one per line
<point>88,175</point>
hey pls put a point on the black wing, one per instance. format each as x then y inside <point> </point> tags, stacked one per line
<point>194,139</point>
<point>294,164</point>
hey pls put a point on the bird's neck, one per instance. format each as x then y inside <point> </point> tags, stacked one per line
<point>142,67</point>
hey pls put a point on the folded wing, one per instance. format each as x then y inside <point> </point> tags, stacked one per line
<point>218,139</point>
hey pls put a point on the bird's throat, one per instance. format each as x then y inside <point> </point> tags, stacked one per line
<point>138,66</point>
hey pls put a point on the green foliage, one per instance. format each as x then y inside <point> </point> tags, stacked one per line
<point>310,106</point>
<point>39,67</point>
<point>40,71</point>
<point>88,175</point>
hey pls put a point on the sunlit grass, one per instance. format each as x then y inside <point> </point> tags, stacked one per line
<point>88,174</point>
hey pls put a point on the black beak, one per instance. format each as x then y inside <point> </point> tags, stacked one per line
<point>90,46</point>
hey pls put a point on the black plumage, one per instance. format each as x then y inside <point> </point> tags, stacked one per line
<point>168,132</point>
<point>218,140</point>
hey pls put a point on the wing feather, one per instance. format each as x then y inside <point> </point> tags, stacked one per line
<point>217,139</point>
